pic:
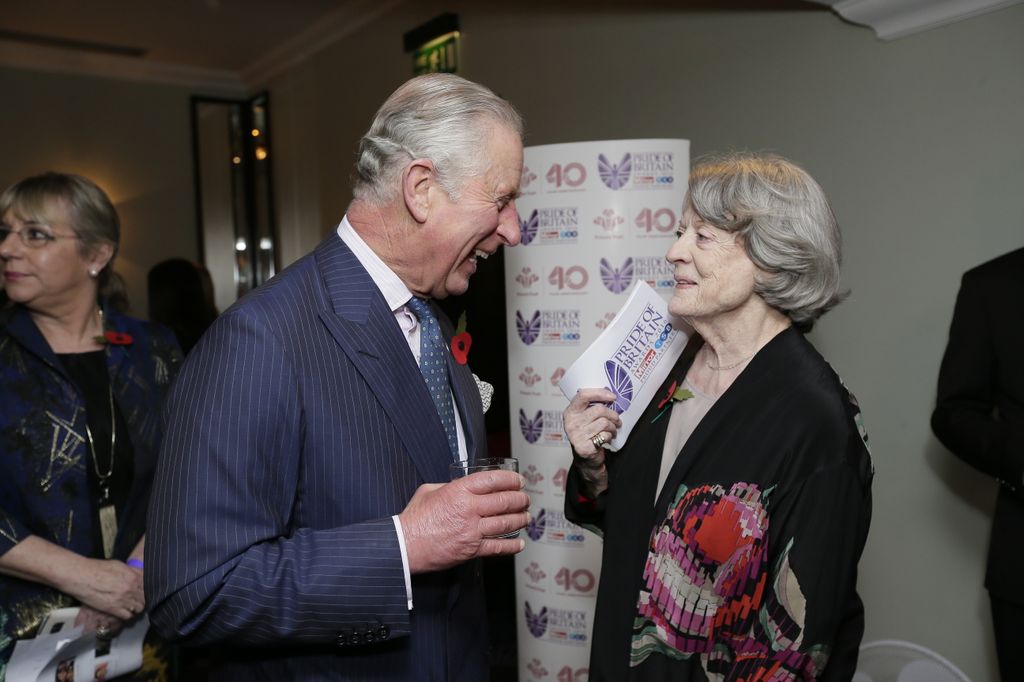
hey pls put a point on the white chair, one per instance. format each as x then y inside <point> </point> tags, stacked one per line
<point>891,660</point>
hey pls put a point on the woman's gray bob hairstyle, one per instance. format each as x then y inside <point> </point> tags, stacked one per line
<point>438,116</point>
<point>784,222</point>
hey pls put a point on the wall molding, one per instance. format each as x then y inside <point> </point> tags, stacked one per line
<point>59,60</point>
<point>892,19</point>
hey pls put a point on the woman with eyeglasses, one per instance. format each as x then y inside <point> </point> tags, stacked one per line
<point>80,391</point>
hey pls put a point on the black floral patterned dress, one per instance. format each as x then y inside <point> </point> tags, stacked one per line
<point>45,483</point>
<point>745,567</point>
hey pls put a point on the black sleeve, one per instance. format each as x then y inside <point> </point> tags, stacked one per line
<point>581,509</point>
<point>965,417</point>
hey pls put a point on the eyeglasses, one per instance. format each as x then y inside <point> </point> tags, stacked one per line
<point>33,235</point>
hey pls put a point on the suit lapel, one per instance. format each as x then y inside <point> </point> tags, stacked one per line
<point>359,320</point>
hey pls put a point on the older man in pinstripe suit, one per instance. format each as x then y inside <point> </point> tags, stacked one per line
<point>302,526</point>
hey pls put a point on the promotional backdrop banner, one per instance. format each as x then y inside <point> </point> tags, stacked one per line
<point>595,217</point>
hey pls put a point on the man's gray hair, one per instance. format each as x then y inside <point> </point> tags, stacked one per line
<point>784,222</point>
<point>441,117</point>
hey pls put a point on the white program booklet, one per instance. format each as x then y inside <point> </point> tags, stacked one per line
<point>632,357</point>
<point>62,651</point>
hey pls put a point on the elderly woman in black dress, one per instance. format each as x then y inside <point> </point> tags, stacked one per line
<point>734,517</point>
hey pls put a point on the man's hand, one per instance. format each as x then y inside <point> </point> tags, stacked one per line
<point>447,524</point>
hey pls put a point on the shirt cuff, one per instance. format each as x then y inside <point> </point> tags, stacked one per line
<point>405,560</point>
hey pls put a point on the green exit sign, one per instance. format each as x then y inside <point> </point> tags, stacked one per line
<point>440,55</point>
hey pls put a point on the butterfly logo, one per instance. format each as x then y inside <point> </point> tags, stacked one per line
<point>528,331</point>
<point>621,386</point>
<point>615,176</point>
<point>535,528</point>
<point>528,227</point>
<point>536,623</point>
<point>531,428</point>
<point>617,280</point>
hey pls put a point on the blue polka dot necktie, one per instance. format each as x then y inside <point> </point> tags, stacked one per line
<point>434,367</point>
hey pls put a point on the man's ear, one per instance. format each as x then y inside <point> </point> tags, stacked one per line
<point>417,180</point>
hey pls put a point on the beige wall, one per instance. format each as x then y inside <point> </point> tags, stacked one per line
<point>918,142</point>
<point>133,140</point>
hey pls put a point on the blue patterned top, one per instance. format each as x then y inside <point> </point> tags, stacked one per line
<point>44,488</point>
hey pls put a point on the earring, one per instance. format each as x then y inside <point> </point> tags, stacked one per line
<point>94,273</point>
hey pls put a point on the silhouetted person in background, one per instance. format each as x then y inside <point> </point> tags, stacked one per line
<point>979,416</point>
<point>181,297</point>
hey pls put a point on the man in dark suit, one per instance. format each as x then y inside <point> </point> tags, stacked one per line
<point>979,415</point>
<point>302,524</point>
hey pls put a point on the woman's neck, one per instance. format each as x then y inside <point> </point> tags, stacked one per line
<point>72,330</point>
<point>730,342</point>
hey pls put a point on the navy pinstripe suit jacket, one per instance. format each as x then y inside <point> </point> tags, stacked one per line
<point>299,425</point>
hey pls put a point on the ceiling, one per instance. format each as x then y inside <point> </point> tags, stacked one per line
<point>213,43</point>
<point>212,34</point>
<point>232,45</point>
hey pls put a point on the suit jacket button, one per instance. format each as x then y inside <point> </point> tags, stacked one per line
<point>357,638</point>
<point>369,637</point>
<point>342,640</point>
<point>383,632</point>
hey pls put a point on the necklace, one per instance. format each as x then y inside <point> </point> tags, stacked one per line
<point>104,477</point>
<point>722,368</point>
<point>107,510</point>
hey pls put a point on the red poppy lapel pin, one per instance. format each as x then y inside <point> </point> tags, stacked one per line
<point>461,342</point>
<point>114,338</point>
<point>675,394</point>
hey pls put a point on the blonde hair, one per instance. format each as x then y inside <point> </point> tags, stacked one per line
<point>94,219</point>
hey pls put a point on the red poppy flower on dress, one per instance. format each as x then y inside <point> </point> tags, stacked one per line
<point>668,396</point>
<point>117,338</point>
<point>675,394</point>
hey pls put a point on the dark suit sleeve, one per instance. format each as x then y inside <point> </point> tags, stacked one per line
<point>965,417</point>
<point>223,560</point>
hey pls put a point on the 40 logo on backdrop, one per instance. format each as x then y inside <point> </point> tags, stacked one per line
<point>596,217</point>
